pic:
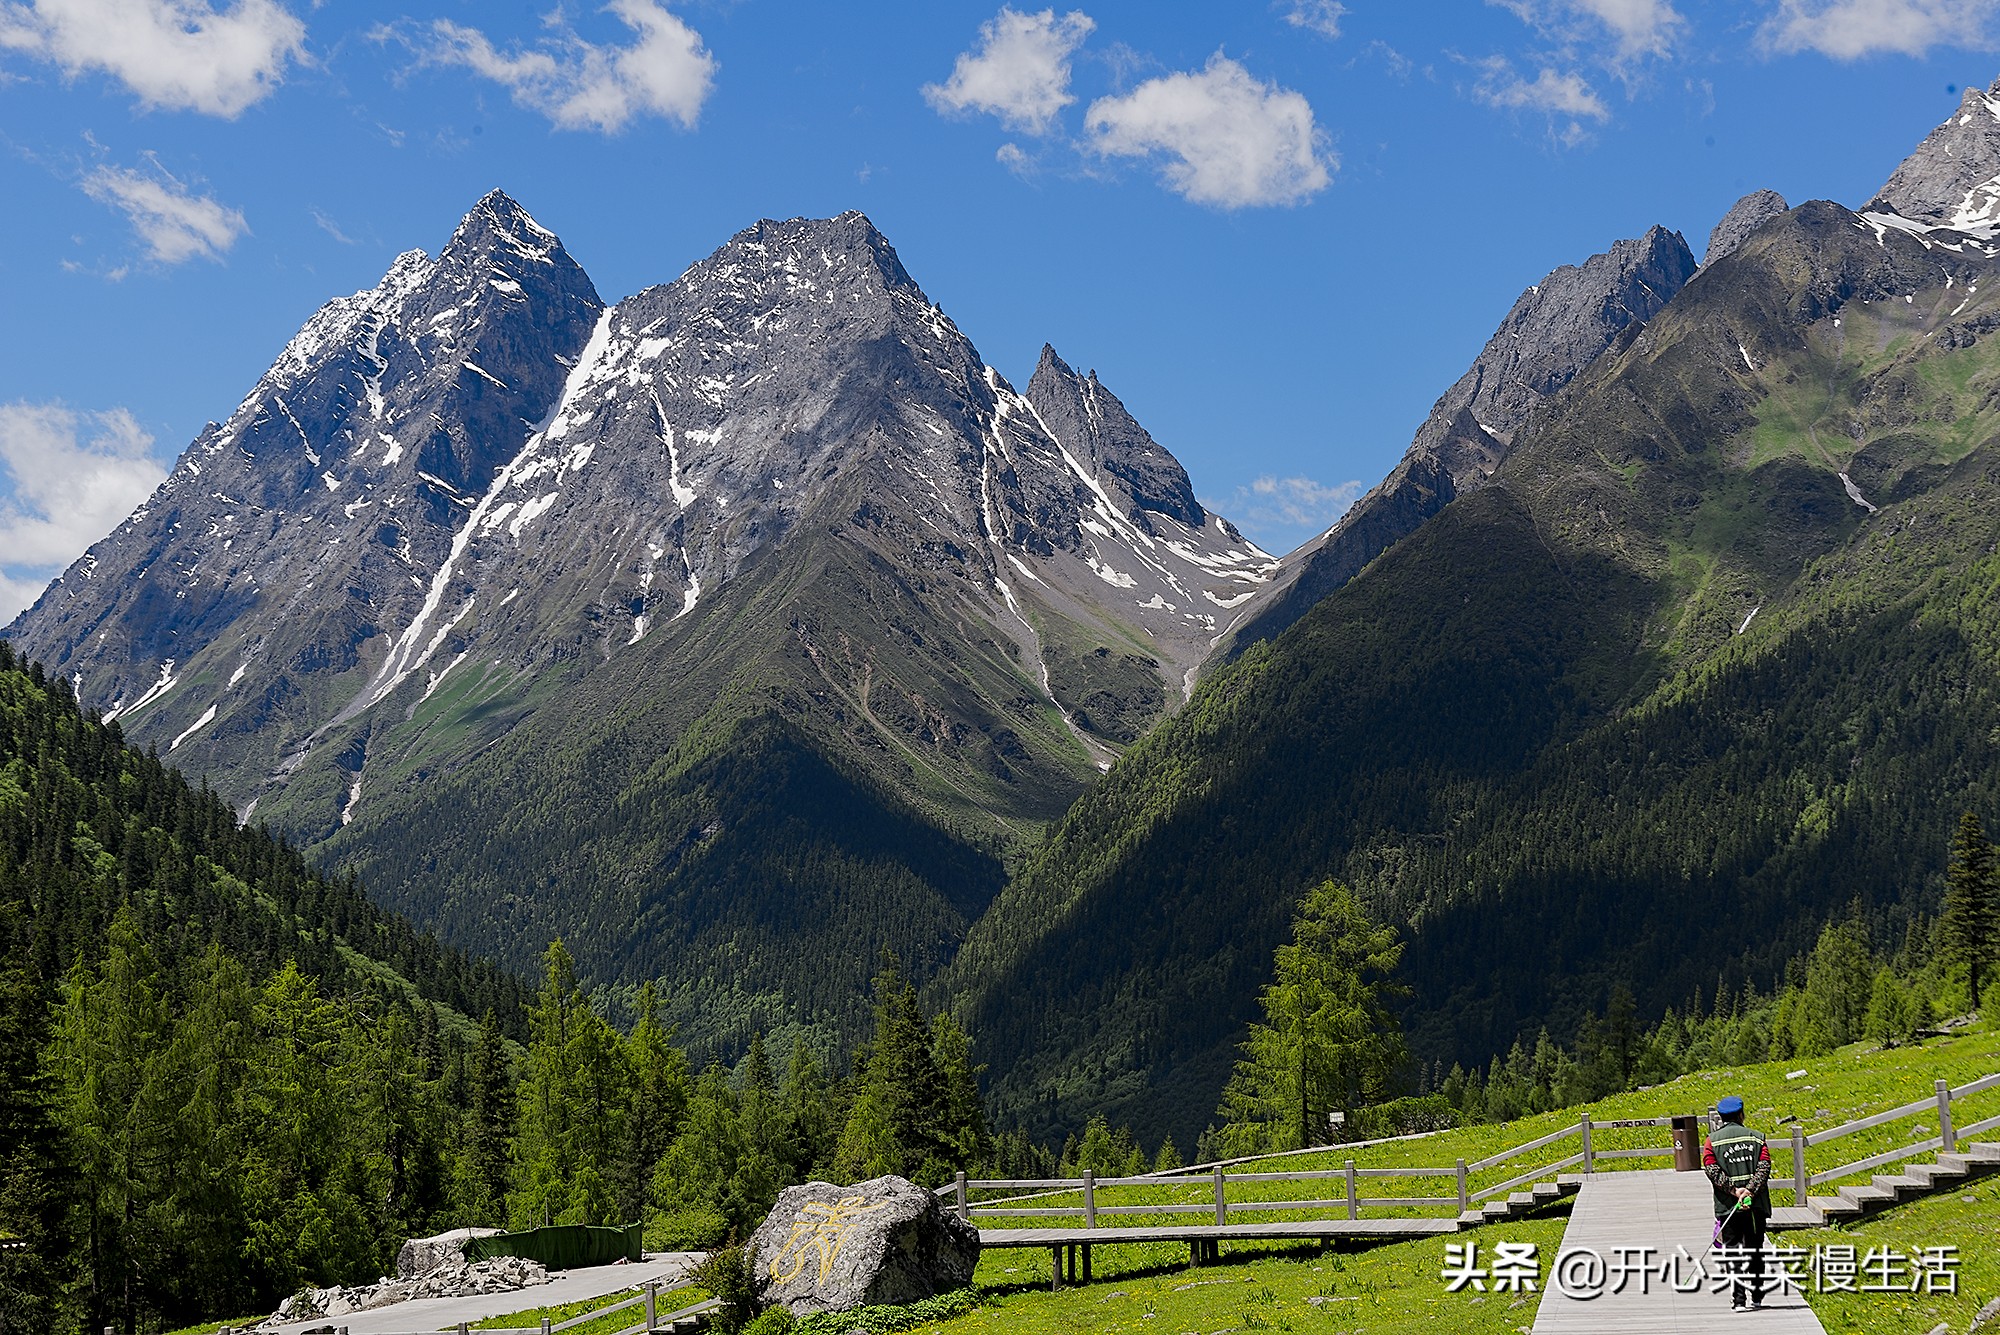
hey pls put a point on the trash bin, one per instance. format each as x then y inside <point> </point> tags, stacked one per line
<point>1687,1143</point>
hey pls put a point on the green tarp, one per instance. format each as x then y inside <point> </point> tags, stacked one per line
<point>562,1246</point>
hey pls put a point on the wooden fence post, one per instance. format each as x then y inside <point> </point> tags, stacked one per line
<point>1464,1202</point>
<point>1946,1136</point>
<point>652,1305</point>
<point>1353,1205</point>
<point>1800,1184</point>
<point>1089,1214</point>
<point>1589,1159</point>
<point>964,1207</point>
<point>1221,1206</point>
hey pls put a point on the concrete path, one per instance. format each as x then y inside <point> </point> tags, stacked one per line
<point>434,1314</point>
<point>1659,1211</point>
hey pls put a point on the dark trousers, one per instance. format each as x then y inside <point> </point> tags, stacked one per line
<point>1744,1231</point>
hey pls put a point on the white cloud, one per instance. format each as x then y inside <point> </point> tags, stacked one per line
<point>1851,29</point>
<point>1637,27</point>
<point>1231,141</point>
<point>1019,71</point>
<point>182,55</point>
<point>75,477</point>
<point>332,228</point>
<point>1554,93</point>
<point>1399,64</point>
<point>665,72</point>
<point>175,223</point>
<point>1320,16</point>
<point>18,595</point>
<point>1287,510</point>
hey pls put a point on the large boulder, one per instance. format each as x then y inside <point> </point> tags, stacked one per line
<point>886,1241</point>
<point>420,1256</point>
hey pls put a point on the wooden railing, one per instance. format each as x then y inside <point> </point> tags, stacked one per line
<point>1946,1140</point>
<point>1348,1201</point>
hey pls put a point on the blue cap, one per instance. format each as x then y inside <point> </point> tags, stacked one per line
<point>1728,1104</point>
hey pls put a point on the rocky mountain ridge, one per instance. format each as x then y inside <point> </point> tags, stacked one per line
<point>1953,178</point>
<point>483,566</point>
<point>1555,329</point>
<point>411,486</point>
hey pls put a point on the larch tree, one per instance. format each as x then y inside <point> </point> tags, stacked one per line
<point>1329,1040</point>
<point>1969,926</point>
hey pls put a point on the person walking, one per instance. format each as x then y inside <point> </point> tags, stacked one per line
<point>1738,1164</point>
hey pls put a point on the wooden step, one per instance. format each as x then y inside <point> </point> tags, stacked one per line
<point>1833,1207</point>
<point>1794,1216</point>
<point>1472,1218</point>
<point>1900,1185</point>
<point>1867,1198</point>
<point>1981,1152</point>
<point>1570,1181</point>
<point>1545,1192</point>
<point>1520,1201</point>
<point>1933,1175</point>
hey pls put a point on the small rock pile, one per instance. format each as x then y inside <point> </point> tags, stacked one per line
<point>451,1279</point>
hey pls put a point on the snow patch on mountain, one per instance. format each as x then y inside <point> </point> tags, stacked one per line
<point>208,717</point>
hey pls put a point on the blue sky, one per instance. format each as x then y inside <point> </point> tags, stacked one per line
<point>1277,229</point>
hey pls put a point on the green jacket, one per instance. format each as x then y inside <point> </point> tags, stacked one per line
<point>1735,1156</point>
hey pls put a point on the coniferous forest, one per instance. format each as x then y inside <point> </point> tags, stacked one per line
<point>225,1075</point>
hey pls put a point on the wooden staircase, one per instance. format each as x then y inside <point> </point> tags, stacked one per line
<point>1519,1203</point>
<point>1970,1161</point>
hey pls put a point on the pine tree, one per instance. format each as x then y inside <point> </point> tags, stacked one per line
<point>38,1267</point>
<point>811,1127</point>
<point>1831,1010</point>
<point>899,1101</point>
<point>660,1091</point>
<point>1889,1011</point>
<point>118,1106</point>
<point>480,1183</point>
<point>1969,926</point>
<point>573,1104</point>
<point>1329,1041</point>
<point>217,1042</point>
<point>1618,1038</point>
<point>961,1126</point>
<point>307,1217</point>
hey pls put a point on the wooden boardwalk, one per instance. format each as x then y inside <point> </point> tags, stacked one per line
<point>1383,1230</point>
<point>1660,1210</point>
<point>1069,1248</point>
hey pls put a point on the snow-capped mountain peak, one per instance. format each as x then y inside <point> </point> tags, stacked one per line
<point>1953,179</point>
<point>475,472</point>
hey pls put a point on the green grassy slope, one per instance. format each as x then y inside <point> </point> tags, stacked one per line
<point>1539,733</point>
<point>1395,1287</point>
<point>1851,1083</point>
<point>1967,1218</point>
